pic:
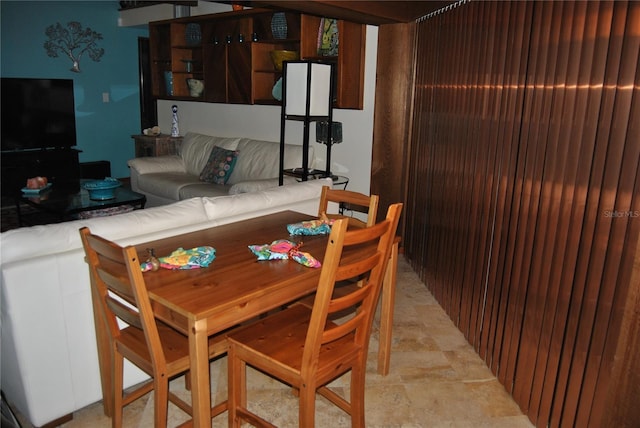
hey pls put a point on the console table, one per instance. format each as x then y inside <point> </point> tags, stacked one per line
<point>156,145</point>
<point>338,180</point>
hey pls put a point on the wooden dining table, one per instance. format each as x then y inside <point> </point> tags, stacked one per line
<point>235,287</point>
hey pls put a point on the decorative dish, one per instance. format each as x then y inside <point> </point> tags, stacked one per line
<point>101,190</point>
<point>28,191</point>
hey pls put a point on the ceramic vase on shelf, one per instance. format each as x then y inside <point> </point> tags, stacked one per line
<point>192,34</point>
<point>196,87</point>
<point>279,25</point>
<point>175,131</point>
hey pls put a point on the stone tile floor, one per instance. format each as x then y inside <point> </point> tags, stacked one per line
<point>436,380</point>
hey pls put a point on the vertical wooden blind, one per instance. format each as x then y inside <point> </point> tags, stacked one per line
<point>523,206</point>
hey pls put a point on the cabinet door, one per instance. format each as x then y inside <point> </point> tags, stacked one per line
<point>350,70</point>
<point>160,56</point>
<point>215,68</point>
<point>239,73</point>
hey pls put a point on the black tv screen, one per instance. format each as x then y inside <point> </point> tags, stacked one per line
<point>37,114</point>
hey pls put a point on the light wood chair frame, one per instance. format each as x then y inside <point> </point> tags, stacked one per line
<point>119,292</point>
<point>302,346</point>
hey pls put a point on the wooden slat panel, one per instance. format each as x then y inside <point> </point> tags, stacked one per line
<point>529,177</point>
<point>510,123</point>
<point>390,116</point>
<point>578,140</point>
<point>614,196</point>
<point>465,162</point>
<point>483,179</point>
<point>417,237</point>
<point>538,289</point>
<point>518,151</point>
<point>620,374</point>
<point>624,378</point>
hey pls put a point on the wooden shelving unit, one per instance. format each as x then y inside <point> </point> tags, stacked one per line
<point>237,69</point>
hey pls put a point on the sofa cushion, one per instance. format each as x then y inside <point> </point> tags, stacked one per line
<point>245,205</point>
<point>204,189</point>
<point>219,166</point>
<point>149,165</point>
<point>166,184</point>
<point>259,160</point>
<point>195,150</point>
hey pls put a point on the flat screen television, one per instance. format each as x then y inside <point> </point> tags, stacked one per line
<point>37,114</point>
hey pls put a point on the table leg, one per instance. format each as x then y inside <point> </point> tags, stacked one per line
<point>386,314</point>
<point>200,383</point>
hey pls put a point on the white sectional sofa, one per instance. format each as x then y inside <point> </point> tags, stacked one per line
<point>166,179</point>
<point>48,352</point>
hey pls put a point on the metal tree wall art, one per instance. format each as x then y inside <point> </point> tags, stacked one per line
<point>73,41</point>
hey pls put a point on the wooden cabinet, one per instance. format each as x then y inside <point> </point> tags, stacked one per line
<point>232,56</point>
<point>60,166</point>
<point>156,145</point>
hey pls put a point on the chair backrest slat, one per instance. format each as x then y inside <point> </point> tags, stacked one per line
<point>124,312</point>
<point>115,282</point>
<point>347,327</point>
<point>362,202</point>
<point>341,303</point>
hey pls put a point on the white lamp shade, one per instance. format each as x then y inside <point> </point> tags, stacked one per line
<point>296,88</point>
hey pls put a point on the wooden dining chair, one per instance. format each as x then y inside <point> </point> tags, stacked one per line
<point>363,203</point>
<point>353,200</point>
<point>157,349</point>
<point>303,347</point>
<point>368,204</point>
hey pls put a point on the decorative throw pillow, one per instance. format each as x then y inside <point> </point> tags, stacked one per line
<point>219,166</point>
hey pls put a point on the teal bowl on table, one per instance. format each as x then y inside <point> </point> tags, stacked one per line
<point>102,190</point>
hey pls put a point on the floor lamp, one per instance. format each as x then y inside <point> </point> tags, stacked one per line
<point>307,96</point>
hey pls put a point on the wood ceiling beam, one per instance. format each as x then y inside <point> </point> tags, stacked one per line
<point>133,4</point>
<point>364,12</point>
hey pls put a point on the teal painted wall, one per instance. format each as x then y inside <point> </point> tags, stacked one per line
<point>103,129</point>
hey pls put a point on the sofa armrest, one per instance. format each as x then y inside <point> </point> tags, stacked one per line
<point>150,165</point>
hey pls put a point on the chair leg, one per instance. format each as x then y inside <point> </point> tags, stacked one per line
<point>237,386</point>
<point>117,389</point>
<point>161,398</point>
<point>357,395</point>
<point>386,315</point>
<point>187,381</point>
<point>307,411</point>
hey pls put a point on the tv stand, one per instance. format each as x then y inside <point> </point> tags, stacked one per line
<point>61,166</point>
